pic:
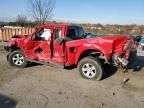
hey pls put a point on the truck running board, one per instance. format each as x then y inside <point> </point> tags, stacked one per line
<point>46,63</point>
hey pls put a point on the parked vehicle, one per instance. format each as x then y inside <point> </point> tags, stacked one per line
<point>65,45</point>
<point>89,35</point>
<point>137,38</point>
<point>142,43</point>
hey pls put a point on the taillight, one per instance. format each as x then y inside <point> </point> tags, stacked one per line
<point>127,45</point>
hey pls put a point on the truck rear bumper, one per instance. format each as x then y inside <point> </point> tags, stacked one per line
<point>128,58</point>
<point>131,58</point>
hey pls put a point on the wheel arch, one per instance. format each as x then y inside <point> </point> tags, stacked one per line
<point>13,48</point>
<point>93,53</point>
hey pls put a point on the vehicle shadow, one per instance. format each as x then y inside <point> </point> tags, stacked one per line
<point>70,67</point>
<point>6,102</point>
<point>109,70</point>
<point>137,64</point>
<point>33,65</point>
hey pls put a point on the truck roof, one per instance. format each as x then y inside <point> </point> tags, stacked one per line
<point>57,25</point>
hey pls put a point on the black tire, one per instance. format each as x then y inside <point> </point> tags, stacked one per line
<point>20,62</point>
<point>93,63</point>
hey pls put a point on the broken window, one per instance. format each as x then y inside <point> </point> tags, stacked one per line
<point>43,34</point>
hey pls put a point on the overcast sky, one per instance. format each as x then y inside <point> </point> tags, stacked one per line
<point>92,11</point>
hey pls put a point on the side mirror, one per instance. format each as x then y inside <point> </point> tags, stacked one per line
<point>59,41</point>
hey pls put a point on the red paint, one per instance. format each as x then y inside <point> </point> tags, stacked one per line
<point>69,52</point>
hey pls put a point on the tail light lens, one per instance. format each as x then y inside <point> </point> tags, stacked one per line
<point>127,45</point>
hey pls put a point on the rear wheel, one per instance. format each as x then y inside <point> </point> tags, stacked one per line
<point>17,58</point>
<point>91,68</point>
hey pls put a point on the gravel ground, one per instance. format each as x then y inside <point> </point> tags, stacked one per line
<point>41,86</point>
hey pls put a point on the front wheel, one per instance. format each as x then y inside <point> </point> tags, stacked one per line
<point>17,58</point>
<point>91,68</point>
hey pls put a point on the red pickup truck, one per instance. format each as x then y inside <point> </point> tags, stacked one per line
<point>66,45</point>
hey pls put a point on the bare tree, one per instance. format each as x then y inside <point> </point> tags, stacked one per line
<point>21,20</point>
<point>41,10</point>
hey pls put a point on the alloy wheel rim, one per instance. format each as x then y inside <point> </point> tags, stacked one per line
<point>89,70</point>
<point>18,59</point>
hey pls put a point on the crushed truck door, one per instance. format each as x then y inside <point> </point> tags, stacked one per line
<point>38,46</point>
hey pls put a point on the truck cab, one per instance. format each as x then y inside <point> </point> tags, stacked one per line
<point>65,45</point>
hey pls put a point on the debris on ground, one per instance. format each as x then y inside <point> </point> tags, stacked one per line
<point>102,104</point>
<point>125,80</point>
<point>113,93</point>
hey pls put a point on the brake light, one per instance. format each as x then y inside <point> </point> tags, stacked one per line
<point>127,45</point>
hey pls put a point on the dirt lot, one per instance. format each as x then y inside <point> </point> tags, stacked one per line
<point>42,86</point>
